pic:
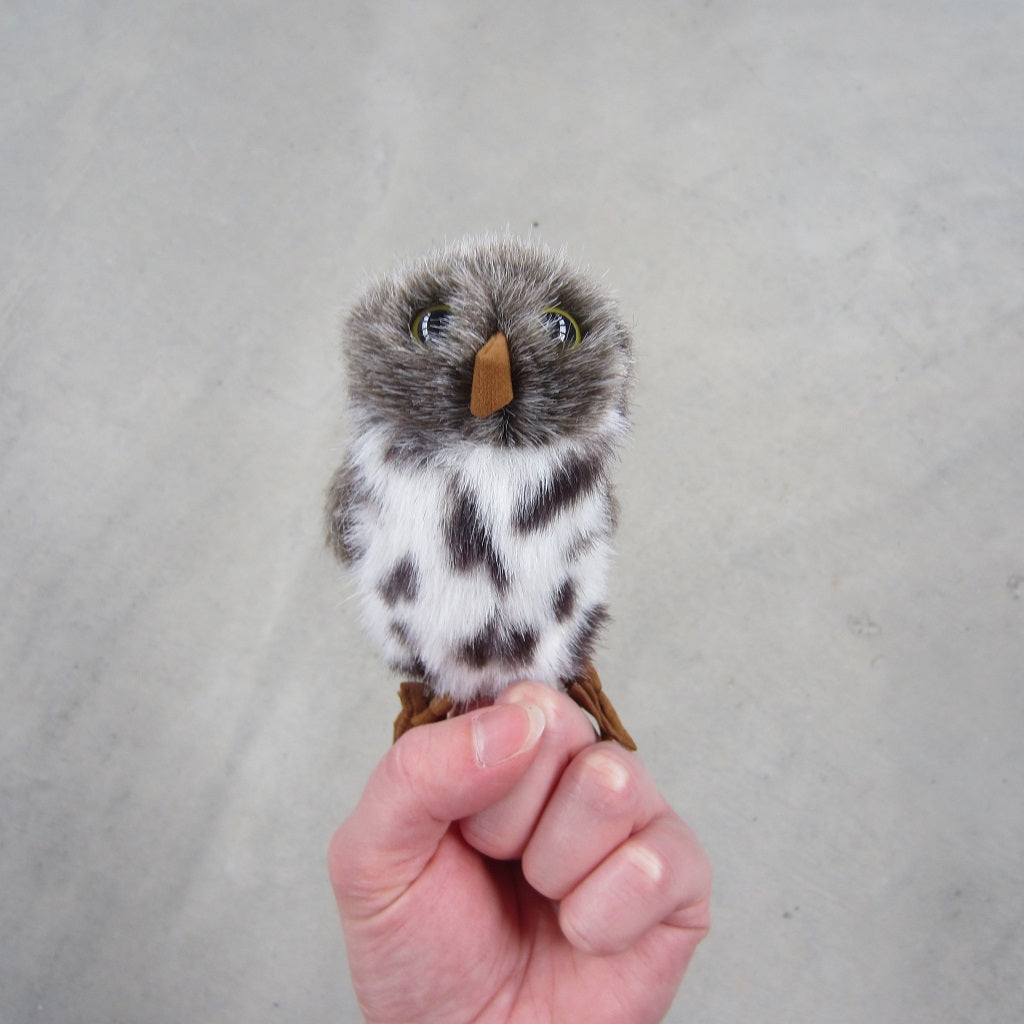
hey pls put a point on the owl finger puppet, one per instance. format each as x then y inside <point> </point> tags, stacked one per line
<point>487,387</point>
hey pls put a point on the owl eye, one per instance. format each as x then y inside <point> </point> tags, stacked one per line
<point>562,327</point>
<point>429,325</point>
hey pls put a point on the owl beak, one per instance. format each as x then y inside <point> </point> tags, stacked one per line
<point>492,377</point>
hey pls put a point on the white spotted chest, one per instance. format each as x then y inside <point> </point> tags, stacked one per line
<point>483,567</point>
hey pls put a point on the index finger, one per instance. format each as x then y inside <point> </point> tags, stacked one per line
<point>432,776</point>
<point>503,828</point>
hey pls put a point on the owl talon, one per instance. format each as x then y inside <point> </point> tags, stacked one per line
<point>587,692</point>
<point>419,708</point>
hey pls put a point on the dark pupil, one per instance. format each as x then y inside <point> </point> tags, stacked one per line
<point>433,323</point>
<point>559,328</point>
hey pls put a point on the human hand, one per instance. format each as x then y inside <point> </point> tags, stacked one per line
<point>504,866</point>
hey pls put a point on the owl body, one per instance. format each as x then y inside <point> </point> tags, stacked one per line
<point>479,541</point>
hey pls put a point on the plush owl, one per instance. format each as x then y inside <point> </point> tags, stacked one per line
<point>487,391</point>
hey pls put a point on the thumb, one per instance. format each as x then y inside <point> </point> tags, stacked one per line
<point>434,775</point>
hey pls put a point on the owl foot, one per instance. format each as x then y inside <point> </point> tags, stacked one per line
<point>586,691</point>
<point>419,708</point>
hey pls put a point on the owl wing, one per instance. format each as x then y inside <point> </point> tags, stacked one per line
<point>347,494</point>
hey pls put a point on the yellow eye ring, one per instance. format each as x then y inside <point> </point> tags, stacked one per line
<point>563,328</point>
<point>428,325</point>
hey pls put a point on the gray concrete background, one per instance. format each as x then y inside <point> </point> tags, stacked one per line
<point>813,213</point>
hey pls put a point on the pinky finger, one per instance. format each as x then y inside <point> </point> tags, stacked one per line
<point>660,875</point>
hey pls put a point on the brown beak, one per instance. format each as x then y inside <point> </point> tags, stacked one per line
<point>492,377</point>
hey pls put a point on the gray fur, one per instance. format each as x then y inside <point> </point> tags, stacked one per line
<point>490,284</point>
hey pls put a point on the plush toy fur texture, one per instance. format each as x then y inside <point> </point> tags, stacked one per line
<point>480,545</point>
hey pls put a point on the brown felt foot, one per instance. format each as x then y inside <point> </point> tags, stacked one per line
<point>587,692</point>
<point>419,708</point>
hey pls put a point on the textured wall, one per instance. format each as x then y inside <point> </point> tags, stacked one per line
<point>811,214</point>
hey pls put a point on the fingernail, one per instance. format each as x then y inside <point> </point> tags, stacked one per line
<point>613,773</point>
<point>646,860</point>
<point>505,731</point>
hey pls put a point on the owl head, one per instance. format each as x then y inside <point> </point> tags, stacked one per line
<point>493,341</point>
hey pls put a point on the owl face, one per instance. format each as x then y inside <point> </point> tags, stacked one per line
<point>493,341</point>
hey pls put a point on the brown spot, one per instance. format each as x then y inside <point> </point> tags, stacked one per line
<point>347,494</point>
<point>580,545</point>
<point>565,600</point>
<point>411,668</point>
<point>401,584</point>
<point>400,631</point>
<point>494,643</point>
<point>574,477</point>
<point>469,542</point>
<point>586,635</point>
